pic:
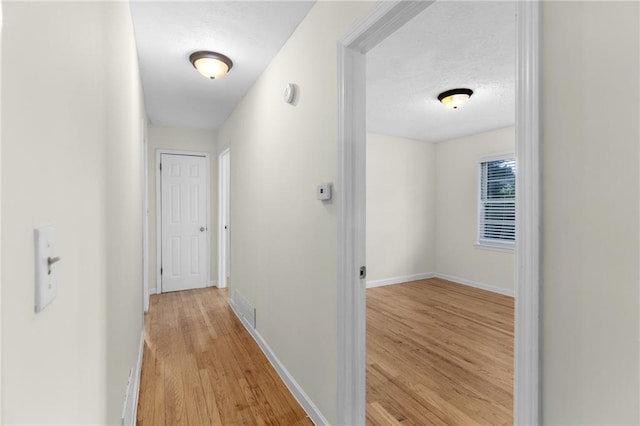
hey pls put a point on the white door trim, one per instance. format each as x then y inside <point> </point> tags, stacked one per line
<point>387,17</point>
<point>159,153</point>
<point>527,401</point>
<point>145,216</point>
<point>222,247</point>
<point>1,21</point>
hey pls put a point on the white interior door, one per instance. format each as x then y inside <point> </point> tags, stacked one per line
<point>224,163</point>
<point>185,242</point>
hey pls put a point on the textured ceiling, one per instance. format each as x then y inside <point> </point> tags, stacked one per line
<point>250,33</point>
<point>450,44</point>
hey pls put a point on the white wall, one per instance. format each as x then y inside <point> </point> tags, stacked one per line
<point>124,159</point>
<point>70,159</point>
<point>422,209</point>
<point>457,210</point>
<point>401,201</point>
<point>590,212</point>
<point>283,240</point>
<point>182,140</point>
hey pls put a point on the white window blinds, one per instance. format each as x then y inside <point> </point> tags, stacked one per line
<point>497,215</point>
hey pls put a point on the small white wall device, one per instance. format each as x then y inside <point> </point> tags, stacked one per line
<point>323,192</point>
<point>289,93</point>
<point>46,265</point>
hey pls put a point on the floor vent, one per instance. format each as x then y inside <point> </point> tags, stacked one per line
<point>245,308</point>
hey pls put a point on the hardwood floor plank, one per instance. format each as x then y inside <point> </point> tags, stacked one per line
<point>158,400</point>
<point>439,353</point>
<point>377,415</point>
<point>210,399</point>
<point>146,417</point>
<point>201,367</point>
<point>196,406</point>
<point>174,410</point>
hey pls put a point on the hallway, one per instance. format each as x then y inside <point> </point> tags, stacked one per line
<point>201,367</point>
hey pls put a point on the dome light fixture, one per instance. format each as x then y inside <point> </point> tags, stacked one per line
<point>211,64</point>
<point>455,98</point>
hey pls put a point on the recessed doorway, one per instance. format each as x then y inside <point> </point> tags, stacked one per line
<point>384,20</point>
<point>183,198</point>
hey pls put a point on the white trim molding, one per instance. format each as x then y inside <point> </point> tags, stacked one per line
<point>386,18</point>
<point>400,280</point>
<point>381,22</point>
<point>130,410</point>
<point>145,215</point>
<point>527,401</point>
<point>425,276</point>
<point>153,290</point>
<point>224,189</point>
<point>475,284</point>
<point>351,234</point>
<point>296,390</point>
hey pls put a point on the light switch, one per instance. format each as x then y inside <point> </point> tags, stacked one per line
<point>323,192</point>
<point>46,266</point>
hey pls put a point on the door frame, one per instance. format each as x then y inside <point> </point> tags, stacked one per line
<point>145,216</point>
<point>223,253</point>
<point>384,19</point>
<point>207,156</point>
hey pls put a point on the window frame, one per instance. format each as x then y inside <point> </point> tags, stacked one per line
<point>488,243</point>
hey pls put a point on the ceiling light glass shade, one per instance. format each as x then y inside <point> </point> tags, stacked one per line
<point>455,98</point>
<point>211,64</point>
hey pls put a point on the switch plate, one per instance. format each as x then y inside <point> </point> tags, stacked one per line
<point>323,192</point>
<point>45,290</point>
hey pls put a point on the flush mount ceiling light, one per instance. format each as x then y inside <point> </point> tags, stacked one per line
<point>455,98</point>
<point>211,64</point>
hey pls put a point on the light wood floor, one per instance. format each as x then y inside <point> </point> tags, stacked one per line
<point>201,367</point>
<point>439,353</point>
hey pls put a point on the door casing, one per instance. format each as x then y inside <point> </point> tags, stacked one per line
<point>224,198</point>
<point>145,217</point>
<point>383,20</point>
<point>207,156</point>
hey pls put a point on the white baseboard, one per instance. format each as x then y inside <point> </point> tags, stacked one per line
<point>130,411</point>
<point>400,280</point>
<point>153,290</point>
<point>475,284</point>
<point>427,275</point>
<point>213,283</point>
<point>303,399</point>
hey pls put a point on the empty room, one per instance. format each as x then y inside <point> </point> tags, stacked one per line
<point>441,217</point>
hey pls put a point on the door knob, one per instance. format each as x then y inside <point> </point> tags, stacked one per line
<point>202,228</point>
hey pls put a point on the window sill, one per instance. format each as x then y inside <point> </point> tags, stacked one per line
<point>504,248</point>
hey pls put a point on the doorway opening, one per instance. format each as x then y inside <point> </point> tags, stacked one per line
<point>440,230</point>
<point>352,77</point>
<point>182,194</point>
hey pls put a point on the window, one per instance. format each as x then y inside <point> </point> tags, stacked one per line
<point>497,206</point>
